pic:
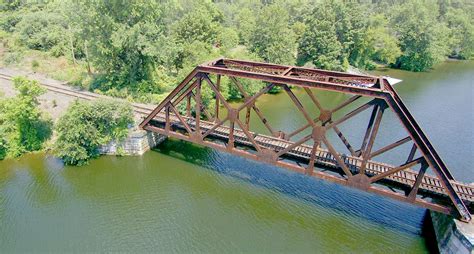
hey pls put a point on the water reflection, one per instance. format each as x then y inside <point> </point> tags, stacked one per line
<point>347,201</point>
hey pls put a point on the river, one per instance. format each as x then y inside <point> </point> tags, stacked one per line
<point>184,198</point>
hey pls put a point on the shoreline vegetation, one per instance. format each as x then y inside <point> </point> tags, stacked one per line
<point>75,137</point>
<point>140,50</point>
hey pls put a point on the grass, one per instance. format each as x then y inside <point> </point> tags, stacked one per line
<point>59,68</point>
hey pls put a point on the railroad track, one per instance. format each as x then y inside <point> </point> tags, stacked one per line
<point>407,177</point>
<point>64,89</point>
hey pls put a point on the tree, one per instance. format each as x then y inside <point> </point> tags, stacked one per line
<point>423,40</point>
<point>383,44</point>
<point>462,33</point>
<point>227,39</point>
<point>351,28</point>
<point>23,126</point>
<point>319,43</point>
<point>87,125</point>
<point>126,39</point>
<point>42,30</point>
<point>194,38</point>
<point>246,25</point>
<point>198,25</point>
<point>272,38</point>
<point>375,43</point>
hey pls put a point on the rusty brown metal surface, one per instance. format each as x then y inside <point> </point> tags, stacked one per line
<point>409,182</point>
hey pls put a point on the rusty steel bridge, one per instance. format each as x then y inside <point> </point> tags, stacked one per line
<point>423,179</point>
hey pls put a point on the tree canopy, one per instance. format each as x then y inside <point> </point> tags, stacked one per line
<point>141,49</point>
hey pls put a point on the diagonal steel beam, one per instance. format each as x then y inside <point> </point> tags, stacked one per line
<point>169,97</point>
<point>373,134</point>
<point>419,180</point>
<point>252,99</point>
<point>390,147</point>
<point>298,104</point>
<point>176,113</point>
<point>257,110</point>
<point>294,145</point>
<point>215,126</point>
<point>336,156</point>
<point>412,163</point>
<point>351,114</point>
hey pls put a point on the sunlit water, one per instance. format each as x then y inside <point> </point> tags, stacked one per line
<point>185,198</point>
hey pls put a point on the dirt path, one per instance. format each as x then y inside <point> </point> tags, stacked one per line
<point>53,103</point>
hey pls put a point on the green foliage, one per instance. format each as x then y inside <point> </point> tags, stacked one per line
<point>139,50</point>
<point>319,44</point>
<point>23,126</point>
<point>227,39</point>
<point>34,64</point>
<point>272,38</point>
<point>10,4</point>
<point>42,30</point>
<point>383,44</point>
<point>128,39</point>
<point>200,24</point>
<point>461,27</point>
<point>3,148</point>
<point>87,125</point>
<point>246,21</point>
<point>423,40</point>
<point>8,21</point>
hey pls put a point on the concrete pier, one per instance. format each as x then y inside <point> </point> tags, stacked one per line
<point>453,236</point>
<point>137,143</point>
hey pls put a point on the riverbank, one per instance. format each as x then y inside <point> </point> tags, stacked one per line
<point>57,99</point>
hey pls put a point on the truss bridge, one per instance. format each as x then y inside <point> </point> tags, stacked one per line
<point>197,111</point>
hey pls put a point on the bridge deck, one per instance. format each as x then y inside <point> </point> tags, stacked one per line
<point>405,177</point>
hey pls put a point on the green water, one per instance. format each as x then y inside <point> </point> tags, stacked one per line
<point>182,198</point>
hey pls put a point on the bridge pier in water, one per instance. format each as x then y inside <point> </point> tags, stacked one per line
<point>452,235</point>
<point>136,143</point>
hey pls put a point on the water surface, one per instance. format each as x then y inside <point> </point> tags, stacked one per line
<point>185,198</point>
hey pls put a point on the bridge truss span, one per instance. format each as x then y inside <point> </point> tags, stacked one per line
<point>197,111</point>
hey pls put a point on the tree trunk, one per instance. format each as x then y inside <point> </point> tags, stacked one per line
<point>71,42</point>
<point>86,52</point>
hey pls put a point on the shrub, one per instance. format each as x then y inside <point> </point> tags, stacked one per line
<point>35,64</point>
<point>3,148</point>
<point>8,21</point>
<point>87,125</point>
<point>42,30</point>
<point>24,128</point>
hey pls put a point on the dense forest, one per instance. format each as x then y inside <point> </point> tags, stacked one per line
<point>141,49</point>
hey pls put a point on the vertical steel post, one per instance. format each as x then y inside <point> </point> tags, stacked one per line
<point>188,105</point>
<point>167,119</point>
<point>247,118</point>
<point>198,106</point>
<point>218,86</point>
<point>366,152</point>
